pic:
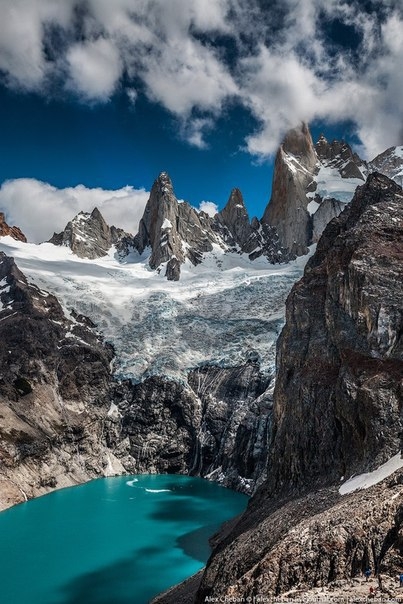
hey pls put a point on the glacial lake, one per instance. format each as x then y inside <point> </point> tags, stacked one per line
<point>118,540</point>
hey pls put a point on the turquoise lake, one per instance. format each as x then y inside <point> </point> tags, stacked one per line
<point>115,540</point>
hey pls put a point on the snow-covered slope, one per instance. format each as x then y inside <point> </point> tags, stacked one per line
<point>224,311</point>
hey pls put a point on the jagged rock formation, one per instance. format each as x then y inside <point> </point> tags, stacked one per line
<point>293,177</point>
<point>14,231</point>
<point>337,411</point>
<point>338,154</point>
<point>390,163</point>
<point>88,235</point>
<point>311,185</point>
<point>176,232</point>
<point>342,346</point>
<point>54,385</point>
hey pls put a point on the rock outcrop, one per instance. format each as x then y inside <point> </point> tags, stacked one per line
<point>338,406</point>
<point>13,231</point>
<point>174,231</point>
<point>54,393</point>
<point>339,155</point>
<point>88,235</point>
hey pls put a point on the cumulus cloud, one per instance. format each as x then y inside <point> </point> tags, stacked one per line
<point>209,207</point>
<point>39,209</point>
<point>285,61</point>
<point>94,68</point>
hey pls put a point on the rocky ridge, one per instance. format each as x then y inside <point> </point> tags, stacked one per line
<point>337,411</point>
<point>173,232</point>
<point>88,235</point>
<point>390,163</point>
<point>176,232</point>
<point>312,183</point>
<point>54,392</point>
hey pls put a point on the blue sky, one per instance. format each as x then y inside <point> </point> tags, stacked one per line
<point>102,94</point>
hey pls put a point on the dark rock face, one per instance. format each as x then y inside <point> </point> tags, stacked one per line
<point>341,349</point>
<point>235,419</point>
<point>14,231</point>
<point>337,411</point>
<point>158,419</point>
<point>216,425</point>
<point>54,385</point>
<point>294,169</point>
<point>88,235</point>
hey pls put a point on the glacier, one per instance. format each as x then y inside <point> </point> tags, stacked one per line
<point>225,311</point>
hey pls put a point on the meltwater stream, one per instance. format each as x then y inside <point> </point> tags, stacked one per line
<point>111,541</point>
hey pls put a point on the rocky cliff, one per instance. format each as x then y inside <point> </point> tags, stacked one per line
<point>215,425</point>
<point>54,393</point>
<point>337,411</point>
<point>311,185</point>
<point>294,169</point>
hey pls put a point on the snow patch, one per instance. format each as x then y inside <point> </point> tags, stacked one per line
<point>312,207</point>
<point>167,224</point>
<point>331,185</point>
<point>398,152</point>
<point>364,481</point>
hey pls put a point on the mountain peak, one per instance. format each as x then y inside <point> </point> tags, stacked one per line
<point>96,215</point>
<point>13,231</point>
<point>164,183</point>
<point>235,218</point>
<point>298,142</point>
<point>87,235</point>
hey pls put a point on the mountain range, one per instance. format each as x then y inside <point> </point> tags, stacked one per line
<point>156,352</point>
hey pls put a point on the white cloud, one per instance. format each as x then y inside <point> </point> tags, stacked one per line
<point>194,131</point>
<point>94,68</point>
<point>22,23</point>
<point>40,209</point>
<point>209,207</point>
<point>282,67</point>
